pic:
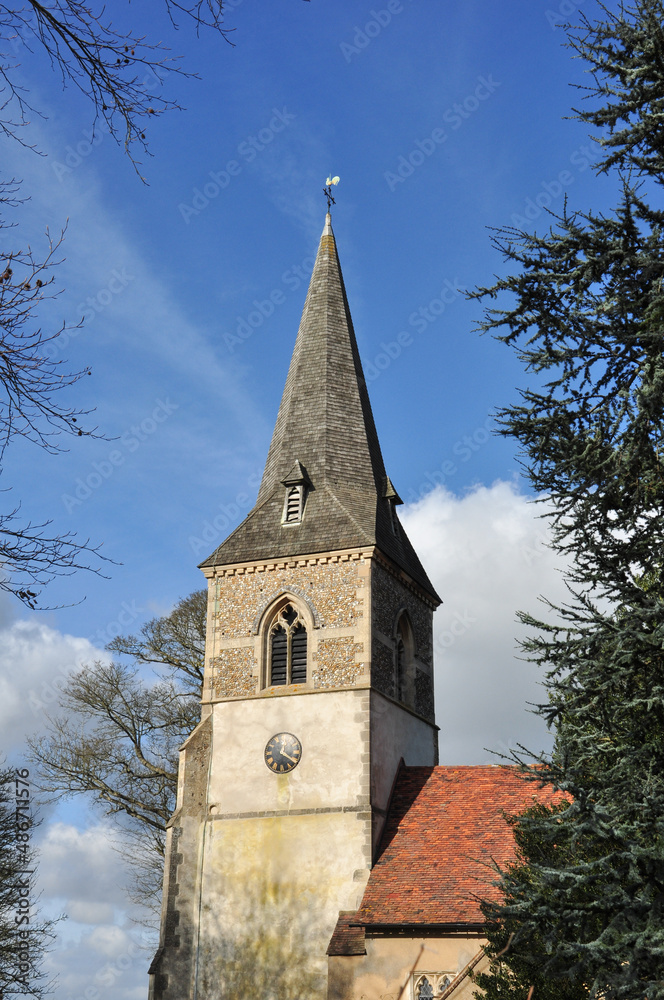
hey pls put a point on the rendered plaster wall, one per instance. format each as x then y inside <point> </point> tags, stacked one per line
<point>283,853</point>
<point>395,733</point>
<point>391,966</point>
<point>334,769</point>
<point>271,891</point>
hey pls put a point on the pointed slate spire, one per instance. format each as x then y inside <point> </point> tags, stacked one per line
<point>325,428</point>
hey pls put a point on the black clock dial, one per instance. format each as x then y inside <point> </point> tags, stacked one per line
<point>283,753</point>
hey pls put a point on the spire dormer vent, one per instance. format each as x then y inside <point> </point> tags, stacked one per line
<point>296,483</point>
<point>393,499</point>
<point>293,505</point>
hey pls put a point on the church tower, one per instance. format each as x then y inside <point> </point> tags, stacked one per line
<point>318,681</point>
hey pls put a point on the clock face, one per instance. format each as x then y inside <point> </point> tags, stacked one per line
<point>283,753</point>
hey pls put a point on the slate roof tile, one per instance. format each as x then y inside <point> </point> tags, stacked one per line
<point>325,423</point>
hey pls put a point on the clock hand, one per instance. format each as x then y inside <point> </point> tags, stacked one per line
<point>287,756</point>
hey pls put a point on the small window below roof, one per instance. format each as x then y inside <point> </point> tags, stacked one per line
<point>394,520</point>
<point>393,499</point>
<point>297,484</point>
<point>293,504</point>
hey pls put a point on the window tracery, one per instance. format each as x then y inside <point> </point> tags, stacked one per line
<point>424,989</point>
<point>288,648</point>
<point>431,985</point>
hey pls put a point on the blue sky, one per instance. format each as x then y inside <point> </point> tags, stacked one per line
<point>442,121</point>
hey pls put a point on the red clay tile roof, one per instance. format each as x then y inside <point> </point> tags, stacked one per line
<point>444,828</point>
<point>347,939</point>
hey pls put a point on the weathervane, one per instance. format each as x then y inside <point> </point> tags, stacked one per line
<point>327,191</point>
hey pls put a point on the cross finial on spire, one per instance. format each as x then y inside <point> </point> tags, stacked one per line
<point>327,191</point>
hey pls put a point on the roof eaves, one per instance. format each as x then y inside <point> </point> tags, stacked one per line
<point>211,561</point>
<point>417,927</point>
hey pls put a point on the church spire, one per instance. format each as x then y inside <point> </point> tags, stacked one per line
<point>324,444</point>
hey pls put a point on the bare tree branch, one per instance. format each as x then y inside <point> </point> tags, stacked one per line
<point>118,70</point>
<point>117,737</point>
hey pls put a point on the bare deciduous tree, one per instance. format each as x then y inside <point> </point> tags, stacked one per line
<point>119,70</point>
<point>122,74</point>
<point>117,737</point>
<point>31,385</point>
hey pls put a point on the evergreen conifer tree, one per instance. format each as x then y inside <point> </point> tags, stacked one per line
<point>585,310</point>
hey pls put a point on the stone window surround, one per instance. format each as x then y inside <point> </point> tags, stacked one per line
<point>440,982</point>
<point>404,666</point>
<point>279,621</point>
<point>266,621</point>
<point>297,492</point>
<point>299,597</point>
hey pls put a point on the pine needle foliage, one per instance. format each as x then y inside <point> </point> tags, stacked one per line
<point>584,309</point>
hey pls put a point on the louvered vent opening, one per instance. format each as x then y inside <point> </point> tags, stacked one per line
<point>279,661</point>
<point>293,505</point>
<point>299,655</point>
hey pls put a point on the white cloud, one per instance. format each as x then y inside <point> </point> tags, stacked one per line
<point>81,866</point>
<point>107,962</point>
<point>35,660</point>
<point>84,912</point>
<point>486,555</point>
<point>98,948</point>
<point>109,941</point>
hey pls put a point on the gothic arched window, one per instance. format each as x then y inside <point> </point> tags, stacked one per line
<point>288,648</point>
<point>401,667</point>
<point>404,652</point>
